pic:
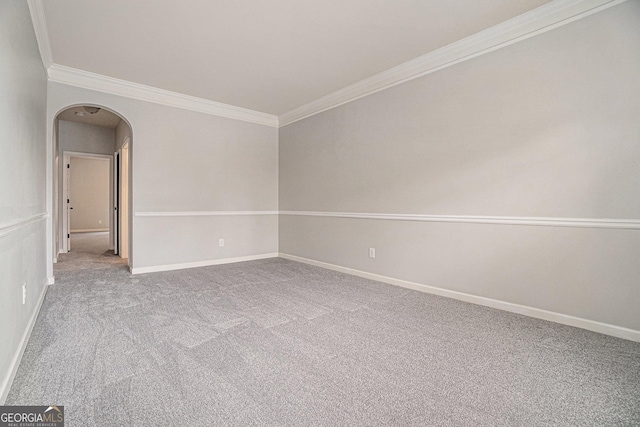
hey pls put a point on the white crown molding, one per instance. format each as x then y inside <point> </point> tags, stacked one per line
<point>205,213</point>
<point>629,224</point>
<point>36,9</point>
<point>87,80</point>
<point>537,21</point>
<point>565,319</point>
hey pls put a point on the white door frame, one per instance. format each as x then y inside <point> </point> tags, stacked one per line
<point>116,175</point>
<point>122,199</point>
<point>65,241</point>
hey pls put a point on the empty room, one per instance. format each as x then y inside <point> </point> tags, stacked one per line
<point>320,213</point>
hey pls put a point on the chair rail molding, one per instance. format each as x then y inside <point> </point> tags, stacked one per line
<point>203,213</point>
<point>631,224</point>
<point>10,227</point>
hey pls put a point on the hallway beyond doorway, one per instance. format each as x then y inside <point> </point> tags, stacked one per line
<point>88,251</point>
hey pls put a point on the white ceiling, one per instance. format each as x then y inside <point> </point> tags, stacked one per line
<point>269,56</point>
<point>102,118</point>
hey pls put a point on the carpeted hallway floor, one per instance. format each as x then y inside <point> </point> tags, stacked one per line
<point>88,250</point>
<point>275,342</point>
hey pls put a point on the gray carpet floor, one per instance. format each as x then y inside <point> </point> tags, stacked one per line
<point>88,250</point>
<point>275,342</point>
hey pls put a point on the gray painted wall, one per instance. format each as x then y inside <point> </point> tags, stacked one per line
<point>189,162</point>
<point>90,196</point>
<point>548,127</point>
<point>85,138</point>
<point>22,181</point>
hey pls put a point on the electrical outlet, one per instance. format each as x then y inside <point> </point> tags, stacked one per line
<point>99,221</point>
<point>24,293</point>
<point>221,242</point>
<point>372,252</point>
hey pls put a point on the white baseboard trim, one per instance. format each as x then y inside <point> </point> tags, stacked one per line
<point>591,325</point>
<point>89,230</point>
<point>181,266</point>
<point>15,362</point>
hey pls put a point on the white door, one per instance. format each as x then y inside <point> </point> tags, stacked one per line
<point>68,206</point>
<point>116,202</point>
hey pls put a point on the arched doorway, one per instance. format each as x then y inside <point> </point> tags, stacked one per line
<point>92,136</point>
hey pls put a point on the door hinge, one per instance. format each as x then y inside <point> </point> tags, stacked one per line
<point>68,236</point>
<point>67,200</point>
<point>68,165</point>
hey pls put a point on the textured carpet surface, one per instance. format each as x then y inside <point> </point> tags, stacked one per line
<point>275,342</point>
<point>88,250</point>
